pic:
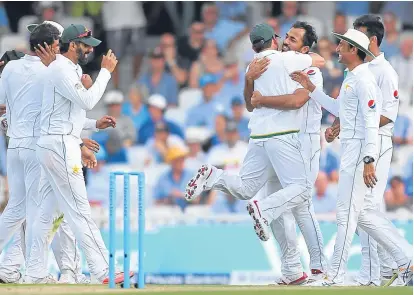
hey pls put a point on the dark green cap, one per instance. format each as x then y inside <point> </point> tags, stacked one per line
<point>262,32</point>
<point>79,33</point>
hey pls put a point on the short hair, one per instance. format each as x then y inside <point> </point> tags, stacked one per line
<point>43,33</point>
<point>309,38</point>
<point>262,45</point>
<point>340,14</point>
<point>362,55</point>
<point>64,47</point>
<point>374,26</point>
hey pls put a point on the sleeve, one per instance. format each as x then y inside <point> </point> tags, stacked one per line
<point>367,95</point>
<point>389,90</point>
<point>90,124</point>
<point>295,61</point>
<point>328,103</point>
<point>68,84</point>
<point>2,92</point>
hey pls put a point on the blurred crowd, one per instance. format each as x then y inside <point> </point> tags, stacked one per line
<point>177,94</point>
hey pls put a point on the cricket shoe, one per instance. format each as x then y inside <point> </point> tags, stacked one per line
<point>49,279</point>
<point>68,277</point>
<point>200,182</point>
<point>323,283</point>
<point>405,274</point>
<point>360,284</point>
<point>81,279</point>
<point>284,281</point>
<point>316,275</point>
<point>119,278</point>
<point>10,278</point>
<point>260,224</point>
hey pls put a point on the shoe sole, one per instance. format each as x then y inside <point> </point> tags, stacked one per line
<point>192,191</point>
<point>257,225</point>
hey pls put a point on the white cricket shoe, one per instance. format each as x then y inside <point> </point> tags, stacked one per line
<point>200,182</point>
<point>316,275</point>
<point>10,278</point>
<point>285,281</point>
<point>82,279</point>
<point>260,224</point>
<point>405,274</point>
<point>49,279</point>
<point>323,283</point>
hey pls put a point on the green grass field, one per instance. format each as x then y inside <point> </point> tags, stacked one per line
<point>200,290</point>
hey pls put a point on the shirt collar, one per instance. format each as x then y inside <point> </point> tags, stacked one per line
<point>63,58</point>
<point>379,59</point>
<point>357,69</point>
<point>265,53</point>
<point>31,57</point>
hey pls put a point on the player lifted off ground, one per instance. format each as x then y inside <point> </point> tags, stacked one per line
<point>274,147</point>
<point>66,97</point>
<point>377,266</point>
<point>300,38</point>
<point>358,107</point>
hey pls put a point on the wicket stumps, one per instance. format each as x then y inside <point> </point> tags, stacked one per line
<point>112,227</point>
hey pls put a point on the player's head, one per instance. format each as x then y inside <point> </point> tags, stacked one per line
<point>44,33</point>
<point>373,27</point>
<point>353,47</point>
<point>263,37</point>
<point>77,42</point>
<point>301,37</point>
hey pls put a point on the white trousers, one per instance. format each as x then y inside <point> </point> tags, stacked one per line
<point>278,157</point>
<point>375,260</point>
<point>60,160</point>
<point>284,228</point>
<point>24,170</point>
<point>356,206</point>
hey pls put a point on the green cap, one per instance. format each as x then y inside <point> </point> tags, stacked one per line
<point>79,33</point>
<point>262,32</point>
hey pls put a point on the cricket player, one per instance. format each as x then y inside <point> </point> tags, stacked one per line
<point>300,38</point>
<point>67,96</point>
<point>377,266</point>
<point>22,91</point>
<point>358,107</point>
<point>274,147</point>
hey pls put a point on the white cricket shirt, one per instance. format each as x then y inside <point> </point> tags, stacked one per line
<point>21,91</point>
<point>65,100</point>
<point>358,106</point>
<point>267,122</point>
<point>312,111</point>
<point>387,80</point>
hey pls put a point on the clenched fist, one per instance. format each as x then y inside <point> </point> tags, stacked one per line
<point>109,61</point>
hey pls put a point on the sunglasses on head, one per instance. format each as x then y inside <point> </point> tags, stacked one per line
<point>86,34</point>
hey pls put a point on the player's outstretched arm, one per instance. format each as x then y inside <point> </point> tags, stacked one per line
<point>281,102</point>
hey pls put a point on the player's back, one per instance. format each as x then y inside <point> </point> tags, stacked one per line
<point>273,82</point>
<point>23,86</point>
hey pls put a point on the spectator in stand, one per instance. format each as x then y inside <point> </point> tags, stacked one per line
<point>175,64</point>
<point>289,16</point>
<point>329,161</point>
<point>209,62</point>
<point>158,81</point>
<point>135,108</point>
<point>203,114</point>
<point>237,115</point>
<point>224,32</point>
<point>324,196</point>
<point>98,181</point>
<point>352,8</point>
<point>190,46</point>
<point>195,136</point>
<point>157,147</point>
<point>156,107</point>
<point>395,196</point>
<point>390,45</point>
<point>219,130</point>
<point>232,82</point>
<point>125,26</point>
<point>118,139</point>
<point>231,152</point>
<point>48,10</point>
<point>404,10</point>
<point>232,10</point>
<point>4,21</point>
<point>403,131</point>
<point>171,185</point>
<point>340,26</point>
<point>403,65</point>
<point>408,178</point>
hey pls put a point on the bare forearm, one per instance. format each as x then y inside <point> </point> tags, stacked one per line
<point>335,122</point>
<point>284,102</point>
<point>248,92</point>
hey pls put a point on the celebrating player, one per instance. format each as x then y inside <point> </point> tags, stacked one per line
<point>300,38</point>
<point>358,106</point>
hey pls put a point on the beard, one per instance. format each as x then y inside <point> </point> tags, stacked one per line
<point>82,57</point>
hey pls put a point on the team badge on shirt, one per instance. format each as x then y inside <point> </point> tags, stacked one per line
<point>310,72</point>
<point>78,86</point>
<point>396,94</point>
<point>371,104</point>
<point>76,169</point>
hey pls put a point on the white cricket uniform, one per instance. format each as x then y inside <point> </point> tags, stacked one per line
<point>376,263</point>
<point>284,228</point>
<point>358,107</point>
<point>274,148</point>
<point>21,89</point>
<point>65,102</point>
